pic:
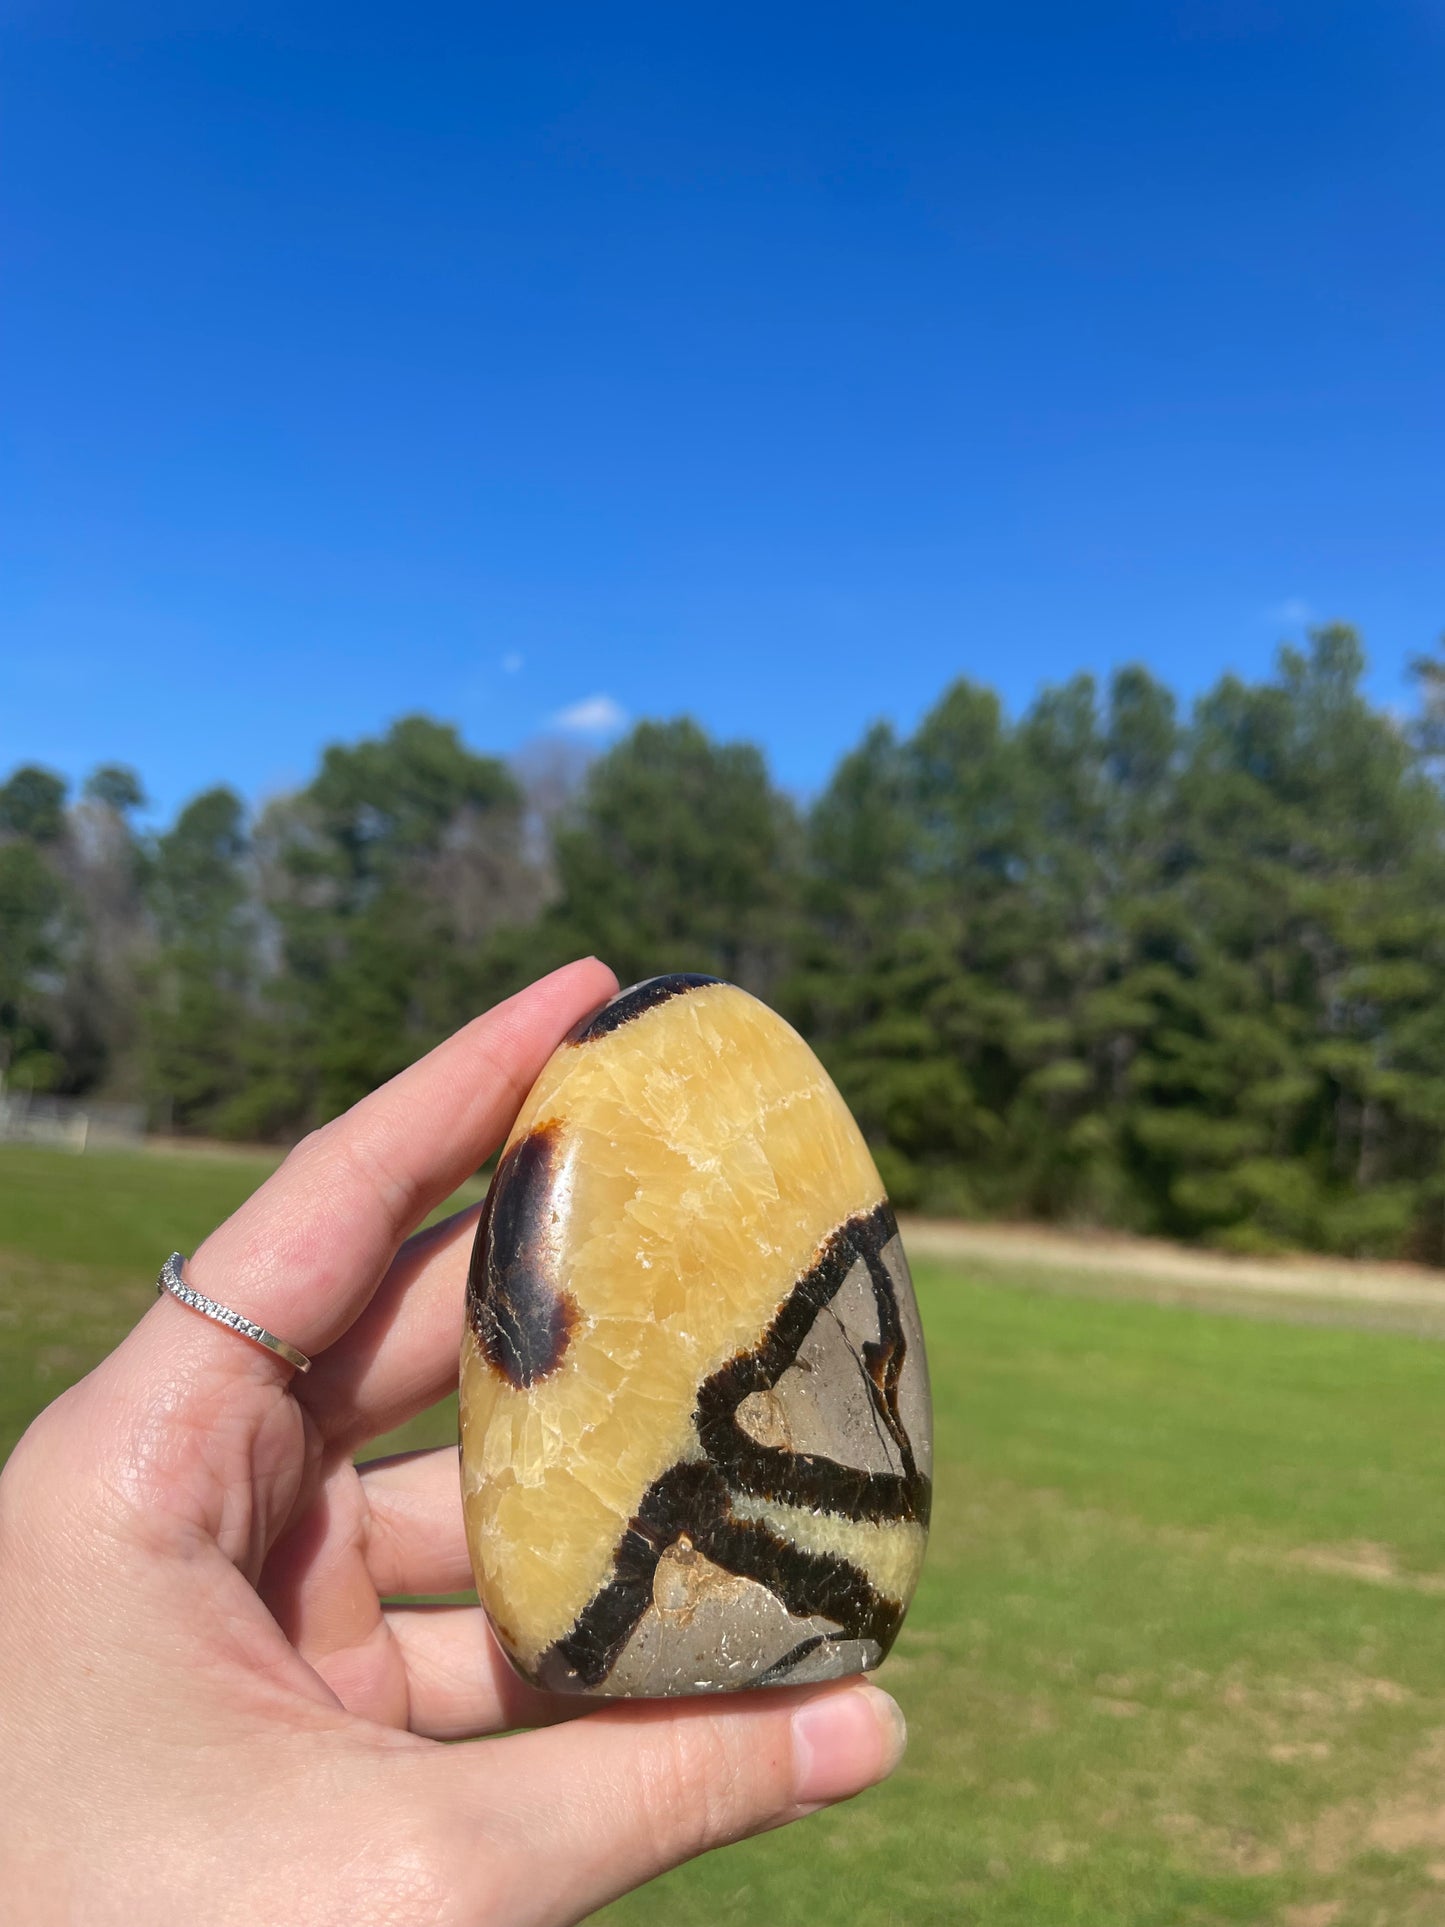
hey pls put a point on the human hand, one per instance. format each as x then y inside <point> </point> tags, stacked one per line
<point>210,1715</point>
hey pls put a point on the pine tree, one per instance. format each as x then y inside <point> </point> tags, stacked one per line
<point>680,855</point>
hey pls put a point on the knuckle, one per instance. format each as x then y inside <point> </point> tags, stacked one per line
<point>315,1162</point>
<point>23,1477</point>
<point>398,1189</point>
<point>31,1454</point>
<point>312,1144</point>
<point>40,1480</point>
<point>41,1451</point>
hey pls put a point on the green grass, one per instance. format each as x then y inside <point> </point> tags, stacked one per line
<point>81,1241</point>
<point>1179,1652</point>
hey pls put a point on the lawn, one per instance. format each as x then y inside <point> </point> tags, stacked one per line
<point>1178,1653</point>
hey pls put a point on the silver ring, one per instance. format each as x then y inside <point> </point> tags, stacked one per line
<point>171,1280</point>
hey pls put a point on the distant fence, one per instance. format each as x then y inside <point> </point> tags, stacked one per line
<point>74,1123</point>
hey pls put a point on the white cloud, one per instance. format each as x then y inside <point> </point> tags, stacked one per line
<point>593,716</point>
<point>511,662</point>
<point>1294,612</point>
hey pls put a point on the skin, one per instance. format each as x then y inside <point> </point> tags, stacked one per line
<point>209,1714</point>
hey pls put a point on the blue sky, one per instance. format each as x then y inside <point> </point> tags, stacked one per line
<point>772,364</point>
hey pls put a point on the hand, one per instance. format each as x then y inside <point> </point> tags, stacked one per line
<point>209,1714</point>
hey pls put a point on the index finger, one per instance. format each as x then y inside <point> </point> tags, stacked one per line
<point>304,1254</point>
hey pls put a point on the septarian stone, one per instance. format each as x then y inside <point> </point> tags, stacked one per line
<point>696,1439</point>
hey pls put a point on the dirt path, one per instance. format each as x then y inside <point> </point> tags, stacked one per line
<point>1320,1280</point>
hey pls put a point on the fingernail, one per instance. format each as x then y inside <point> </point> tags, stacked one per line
<point>843,1742</point>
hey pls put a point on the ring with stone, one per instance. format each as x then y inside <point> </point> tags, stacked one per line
<point>171,1280</point>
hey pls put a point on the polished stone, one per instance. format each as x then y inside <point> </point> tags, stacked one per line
<point>696,1434</point>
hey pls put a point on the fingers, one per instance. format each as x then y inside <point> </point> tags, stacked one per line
<point>459,1682</point>
<point>318,1589</point>
<point>582,1813</point>
<point>304,1254</point>
<point>415,1538</point>
<point>396,1528</point>
<point>401,1354</point>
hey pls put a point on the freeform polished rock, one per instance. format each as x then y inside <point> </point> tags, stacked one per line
<point>696,1434</point>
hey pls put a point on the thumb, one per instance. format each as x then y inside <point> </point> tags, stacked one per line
<point>580,1813</point>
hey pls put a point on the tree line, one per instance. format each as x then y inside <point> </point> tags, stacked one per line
<point>1105,962</point>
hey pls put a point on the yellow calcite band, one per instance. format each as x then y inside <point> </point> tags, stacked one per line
<point>888,1552</point>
